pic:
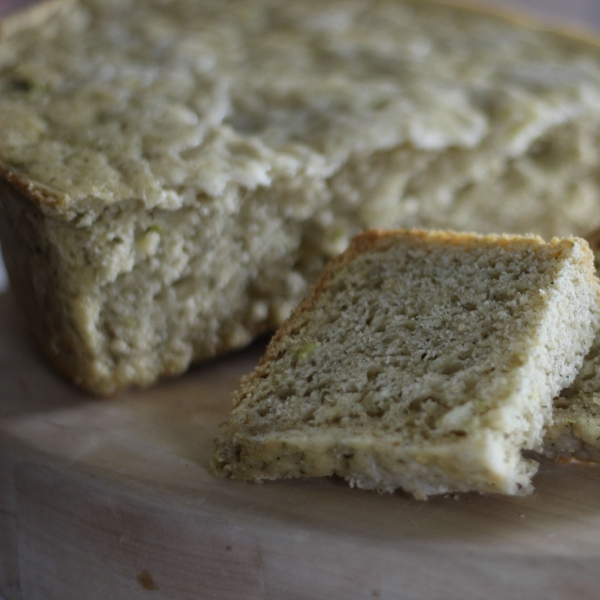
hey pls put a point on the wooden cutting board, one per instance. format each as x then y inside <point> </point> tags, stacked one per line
<point>114,500</point>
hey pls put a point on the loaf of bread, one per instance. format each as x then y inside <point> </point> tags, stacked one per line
<point>421,360</point>
<point>174,175</point>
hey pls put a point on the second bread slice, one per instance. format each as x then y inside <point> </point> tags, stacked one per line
<point>420,360</point>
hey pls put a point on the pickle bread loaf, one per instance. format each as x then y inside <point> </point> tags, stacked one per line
<point>421,360</point>
<point>173,175</point>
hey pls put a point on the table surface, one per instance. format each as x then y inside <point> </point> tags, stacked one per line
<point>108,498</point>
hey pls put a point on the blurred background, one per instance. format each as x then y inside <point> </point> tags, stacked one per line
<point>579,13</point>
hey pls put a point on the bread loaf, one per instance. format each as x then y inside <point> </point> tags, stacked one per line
<point>174,175</point>
<point>421,360</point>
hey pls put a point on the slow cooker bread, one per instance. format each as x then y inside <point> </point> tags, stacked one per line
<point>174,175</point>
<point>421,360</point>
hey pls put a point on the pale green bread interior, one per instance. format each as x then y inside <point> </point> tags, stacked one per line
<point>575,430</point>
<point>422,361</point>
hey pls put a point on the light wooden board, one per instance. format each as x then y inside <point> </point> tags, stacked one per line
<point>113,499</point>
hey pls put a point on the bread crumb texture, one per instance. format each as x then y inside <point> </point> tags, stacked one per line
<point>421,360</point>
<point>575,430</point>
<point>175,174</point>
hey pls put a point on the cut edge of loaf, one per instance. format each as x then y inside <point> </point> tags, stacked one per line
<point>383,466</point>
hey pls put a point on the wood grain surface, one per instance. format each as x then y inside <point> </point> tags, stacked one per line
<point>114,499</point>
<point>111,500</point>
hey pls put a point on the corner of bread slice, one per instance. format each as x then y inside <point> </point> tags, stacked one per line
<point>420,360</point>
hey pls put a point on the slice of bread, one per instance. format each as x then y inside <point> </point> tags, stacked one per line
<point>421,360</point>
<point>575,430</point>
<point>174,175</point>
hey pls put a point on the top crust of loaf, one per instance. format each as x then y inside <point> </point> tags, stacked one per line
<point>507,321</point>
<point>68,147</point>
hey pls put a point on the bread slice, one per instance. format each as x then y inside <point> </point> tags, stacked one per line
<point>174,175</point>
<point>421,360</point>
<point>575,428</point>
